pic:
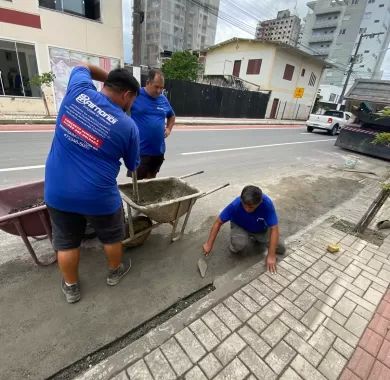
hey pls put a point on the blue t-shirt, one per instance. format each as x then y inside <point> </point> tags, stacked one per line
<point>150,114</point>
<point>92,134</point>
<point>257,221</point>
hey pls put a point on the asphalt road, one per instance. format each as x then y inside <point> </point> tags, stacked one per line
<point>22,155</point>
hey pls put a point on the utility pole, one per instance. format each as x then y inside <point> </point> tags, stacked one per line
<point>353,60</point>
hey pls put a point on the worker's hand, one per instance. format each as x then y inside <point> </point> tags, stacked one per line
<point>270,262</point>
<point>167,132</point>
<point>207,248</point>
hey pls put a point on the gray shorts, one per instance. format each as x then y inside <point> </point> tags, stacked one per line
<point>240,239</point>
<point>69,228</point>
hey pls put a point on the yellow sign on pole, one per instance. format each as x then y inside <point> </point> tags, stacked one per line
<point>298,93</point>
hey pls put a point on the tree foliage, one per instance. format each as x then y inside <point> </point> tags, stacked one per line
<point>45,79</point>
<point>183,65</point>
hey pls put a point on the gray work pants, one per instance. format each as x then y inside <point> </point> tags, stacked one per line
<point>240,238</point>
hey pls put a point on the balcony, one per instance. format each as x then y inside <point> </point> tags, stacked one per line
<point>326,24</point>
<point>322,38</point>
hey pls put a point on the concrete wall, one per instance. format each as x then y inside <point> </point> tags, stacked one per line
<point>101,38</point>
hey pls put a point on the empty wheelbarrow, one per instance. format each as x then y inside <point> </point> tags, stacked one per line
<point>23,213</point>
<point>163,200</point>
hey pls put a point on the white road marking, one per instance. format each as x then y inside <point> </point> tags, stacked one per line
<point>255,147</point>
<point>19,168</point>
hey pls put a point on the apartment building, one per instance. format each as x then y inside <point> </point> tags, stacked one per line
<point>53,35</point>
<point>332,30</point>
<point>176,25</point>
<point>285,28</point>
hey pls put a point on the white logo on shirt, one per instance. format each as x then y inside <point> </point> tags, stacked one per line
<point>85,100</point>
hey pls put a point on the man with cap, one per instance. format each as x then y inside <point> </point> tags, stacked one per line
<point>155,119</point>
<point>93,132</point>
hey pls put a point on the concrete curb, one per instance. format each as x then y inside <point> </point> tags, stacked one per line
<point>225,286</point>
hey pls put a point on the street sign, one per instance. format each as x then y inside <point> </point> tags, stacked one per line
<point>298,93</point>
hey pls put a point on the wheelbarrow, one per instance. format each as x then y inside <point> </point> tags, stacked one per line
<point>23,213</point>
<point>162,200</point>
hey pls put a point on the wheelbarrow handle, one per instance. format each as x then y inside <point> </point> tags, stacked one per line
<point>191,174</point>
<point>214,190</point>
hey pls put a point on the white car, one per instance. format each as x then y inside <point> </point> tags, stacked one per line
<point>330,121</point>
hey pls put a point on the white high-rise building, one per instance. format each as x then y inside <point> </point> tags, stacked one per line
<point>285,28</point>
<point>177,25</point>
<point>332,30</point>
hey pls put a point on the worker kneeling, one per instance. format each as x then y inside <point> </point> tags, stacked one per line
<point>252,216</point>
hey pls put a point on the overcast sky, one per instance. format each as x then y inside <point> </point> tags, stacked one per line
<point>245,14</point>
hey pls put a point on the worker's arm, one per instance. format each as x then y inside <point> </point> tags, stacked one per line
<point>97,73</point>
<point>273,243</point>
<point>208,246</point>
<point>170,123</point>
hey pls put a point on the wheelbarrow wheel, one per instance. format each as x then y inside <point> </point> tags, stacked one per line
<point>140,223</point>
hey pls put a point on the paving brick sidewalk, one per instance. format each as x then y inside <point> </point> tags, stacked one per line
<point>309,321</point>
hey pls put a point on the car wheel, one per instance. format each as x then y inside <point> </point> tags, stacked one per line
<point>334,130</point>
<point>310,129</point>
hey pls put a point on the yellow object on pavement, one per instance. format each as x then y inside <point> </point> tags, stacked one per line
<point>333,248</point>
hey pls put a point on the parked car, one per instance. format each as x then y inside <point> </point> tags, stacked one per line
<point>330,121</point>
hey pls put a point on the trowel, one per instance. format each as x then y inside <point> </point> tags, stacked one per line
<point>202,266</point>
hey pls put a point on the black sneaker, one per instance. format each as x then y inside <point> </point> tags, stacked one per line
<point>72,292</point>
<point>115,275</point>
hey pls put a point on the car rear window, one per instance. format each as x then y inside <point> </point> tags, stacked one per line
<point>334,114</point>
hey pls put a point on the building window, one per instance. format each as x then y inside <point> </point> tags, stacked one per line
<point>18,65</point>
<point>254,66</point>
<point>362,30</point>
<point>288,72</point>
<point>303,72</point>
<point>371,1</point>
<point>342,31</point>
<point>312,80</point>
<point>355,2</point>
<point>376,21</point>
<point>84,8</point>
<point>381,5</point>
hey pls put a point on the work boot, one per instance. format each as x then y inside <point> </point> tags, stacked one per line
<point>115,275</point>
<point>72,292</point>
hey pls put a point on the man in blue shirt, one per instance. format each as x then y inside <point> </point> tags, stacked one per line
<point>252,215</point>
<point>93,132</point>
<point>155,119</point>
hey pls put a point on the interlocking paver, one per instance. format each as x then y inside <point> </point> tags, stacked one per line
<point>210,365</point>
<point>279,279</point>
<point>313,281</point>
<point>361,363</point>
<point>362,282</point>
<point>320,266</point>
<point>375,264</point>
<point>305,369</point>
<point>280,357</point>
<point>269,312</point>
<point>330,313</point>
<point>305,301</point>
<point>190,344</point>
<point>360,301</point>
<point>289,294</point>
<point>120,376</point>
<point>247,301</point>
<point>256,365</point>
<point>356,324</point>
<point>204,334</point>
<point>274,332</point>
<point>336,291</point>
<point>226,316</point>
<point>286,274</point>
<point>379,372</point>
<point>296,264</point>
<point>299,285</point>
<point>345,306</point>
<point>352,270</point>
<point>322,340</point>
<point>371,342</point>
<point>289,306</point>
<point>384,275</point>
<point>375,279</point>
<point>178,360</point>
<point>239,310</point>
<point>313,319</point>
<point>332,365</point>
<point>384,309</point>
<point>348,285</point>
<point>341,332</point>
<point>290,268</point>
<point>384,353</point>
<point>323,297</point>
<point>159,366</point>
<point>195,374</point>
<point>290,374</point>
<point>343,348</point>
<point>139,371</point>
<point>235,370</point>
<point>366,314</point>
<point>255,295</point>
<point>263,289</point>
<point>216,325</point>
<point>312,272</point>
<point>229,348</point>
<point>257,324</point>
<point>259,345</point>
<point>271,283</point>
<point>295,325</point>
<point>305,349</point>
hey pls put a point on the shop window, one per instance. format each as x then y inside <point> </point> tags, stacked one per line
<point>84,8</point>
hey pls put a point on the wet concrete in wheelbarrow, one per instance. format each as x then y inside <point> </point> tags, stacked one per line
<point>41,334</point>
